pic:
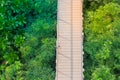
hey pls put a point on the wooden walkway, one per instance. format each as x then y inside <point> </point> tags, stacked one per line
<point>69,60</point>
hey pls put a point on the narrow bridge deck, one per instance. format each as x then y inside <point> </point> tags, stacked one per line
<point>69,40</point>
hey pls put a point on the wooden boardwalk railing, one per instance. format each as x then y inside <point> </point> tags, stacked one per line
<point>69,60</point>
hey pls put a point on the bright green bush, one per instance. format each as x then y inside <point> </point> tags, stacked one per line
<point>13,72</point>
<point>102,36</point>
<point>102,73</point>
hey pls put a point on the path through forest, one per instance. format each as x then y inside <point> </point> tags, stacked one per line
<point>69,63</point>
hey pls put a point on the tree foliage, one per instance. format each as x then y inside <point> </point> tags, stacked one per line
<point>27,39</point>
<point>102,39</point>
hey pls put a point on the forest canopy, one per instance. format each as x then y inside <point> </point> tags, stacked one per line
<point>102,39</point>
<point>27,39</point>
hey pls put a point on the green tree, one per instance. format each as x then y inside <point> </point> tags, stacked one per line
<point>101,41</point>
<point>25,25</point>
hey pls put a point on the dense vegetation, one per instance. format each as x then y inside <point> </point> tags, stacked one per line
<point>28,36</point>
<point>27,39</point>
<point>102,39</point>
